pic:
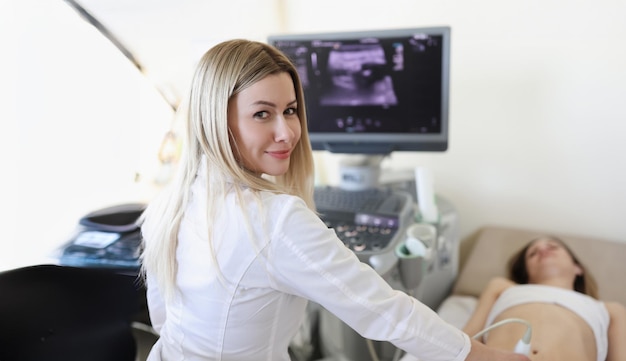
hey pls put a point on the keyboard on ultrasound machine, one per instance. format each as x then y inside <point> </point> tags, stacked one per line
<point>365,220</point>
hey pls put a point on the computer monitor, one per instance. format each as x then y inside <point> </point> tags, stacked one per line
<point>374,92</point>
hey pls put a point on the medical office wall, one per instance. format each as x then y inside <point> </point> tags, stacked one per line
<point>537,115</point>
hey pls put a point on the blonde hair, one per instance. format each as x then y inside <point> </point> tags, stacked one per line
<point>222,72</point>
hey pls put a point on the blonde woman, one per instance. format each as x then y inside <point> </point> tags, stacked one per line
<point>234,248</point>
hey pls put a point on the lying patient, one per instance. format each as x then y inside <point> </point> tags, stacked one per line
<point>551,289</point>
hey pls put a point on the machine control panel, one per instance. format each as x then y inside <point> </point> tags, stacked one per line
<point>366,221</point>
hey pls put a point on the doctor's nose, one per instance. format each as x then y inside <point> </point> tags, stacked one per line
<point>284,132</point>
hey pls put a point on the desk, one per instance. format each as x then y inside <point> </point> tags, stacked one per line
<point>98,249</point>
<point>106,238</point>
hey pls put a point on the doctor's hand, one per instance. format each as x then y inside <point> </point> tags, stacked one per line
<point>480,352</point>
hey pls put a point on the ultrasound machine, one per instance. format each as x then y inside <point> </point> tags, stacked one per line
<point>368,94</point>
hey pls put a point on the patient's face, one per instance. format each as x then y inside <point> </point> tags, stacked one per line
<point>547,258</point>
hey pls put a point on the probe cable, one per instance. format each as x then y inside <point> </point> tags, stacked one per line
<point>523,345</point>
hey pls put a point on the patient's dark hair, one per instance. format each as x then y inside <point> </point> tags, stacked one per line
<point>584,283</point>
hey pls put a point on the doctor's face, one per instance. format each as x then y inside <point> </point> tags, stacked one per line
<point>265,126</point>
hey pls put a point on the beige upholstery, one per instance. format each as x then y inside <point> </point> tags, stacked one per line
<point>492,247</point>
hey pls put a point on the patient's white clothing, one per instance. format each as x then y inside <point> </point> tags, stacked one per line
<point>286,256</point>
<point>594,312</point>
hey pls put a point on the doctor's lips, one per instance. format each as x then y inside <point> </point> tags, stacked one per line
<point>280,154</point>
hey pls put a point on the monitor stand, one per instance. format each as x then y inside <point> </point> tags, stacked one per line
<point>359,172</point>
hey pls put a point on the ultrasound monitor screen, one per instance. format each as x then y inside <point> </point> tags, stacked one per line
<point>373,91</point>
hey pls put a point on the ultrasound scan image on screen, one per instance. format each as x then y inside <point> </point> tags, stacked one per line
<point>358,77</point>
<point>373,91</point>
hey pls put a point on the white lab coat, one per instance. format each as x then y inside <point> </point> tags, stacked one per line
<point>285,257</point>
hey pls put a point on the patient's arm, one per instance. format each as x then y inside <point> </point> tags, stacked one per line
<point>488,297</point>
<point>617,331</point>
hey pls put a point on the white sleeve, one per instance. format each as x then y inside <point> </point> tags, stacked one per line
<point>156,304</point>
<point>308,259</point>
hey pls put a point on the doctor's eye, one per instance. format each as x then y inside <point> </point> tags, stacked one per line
<point>262,114</point>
